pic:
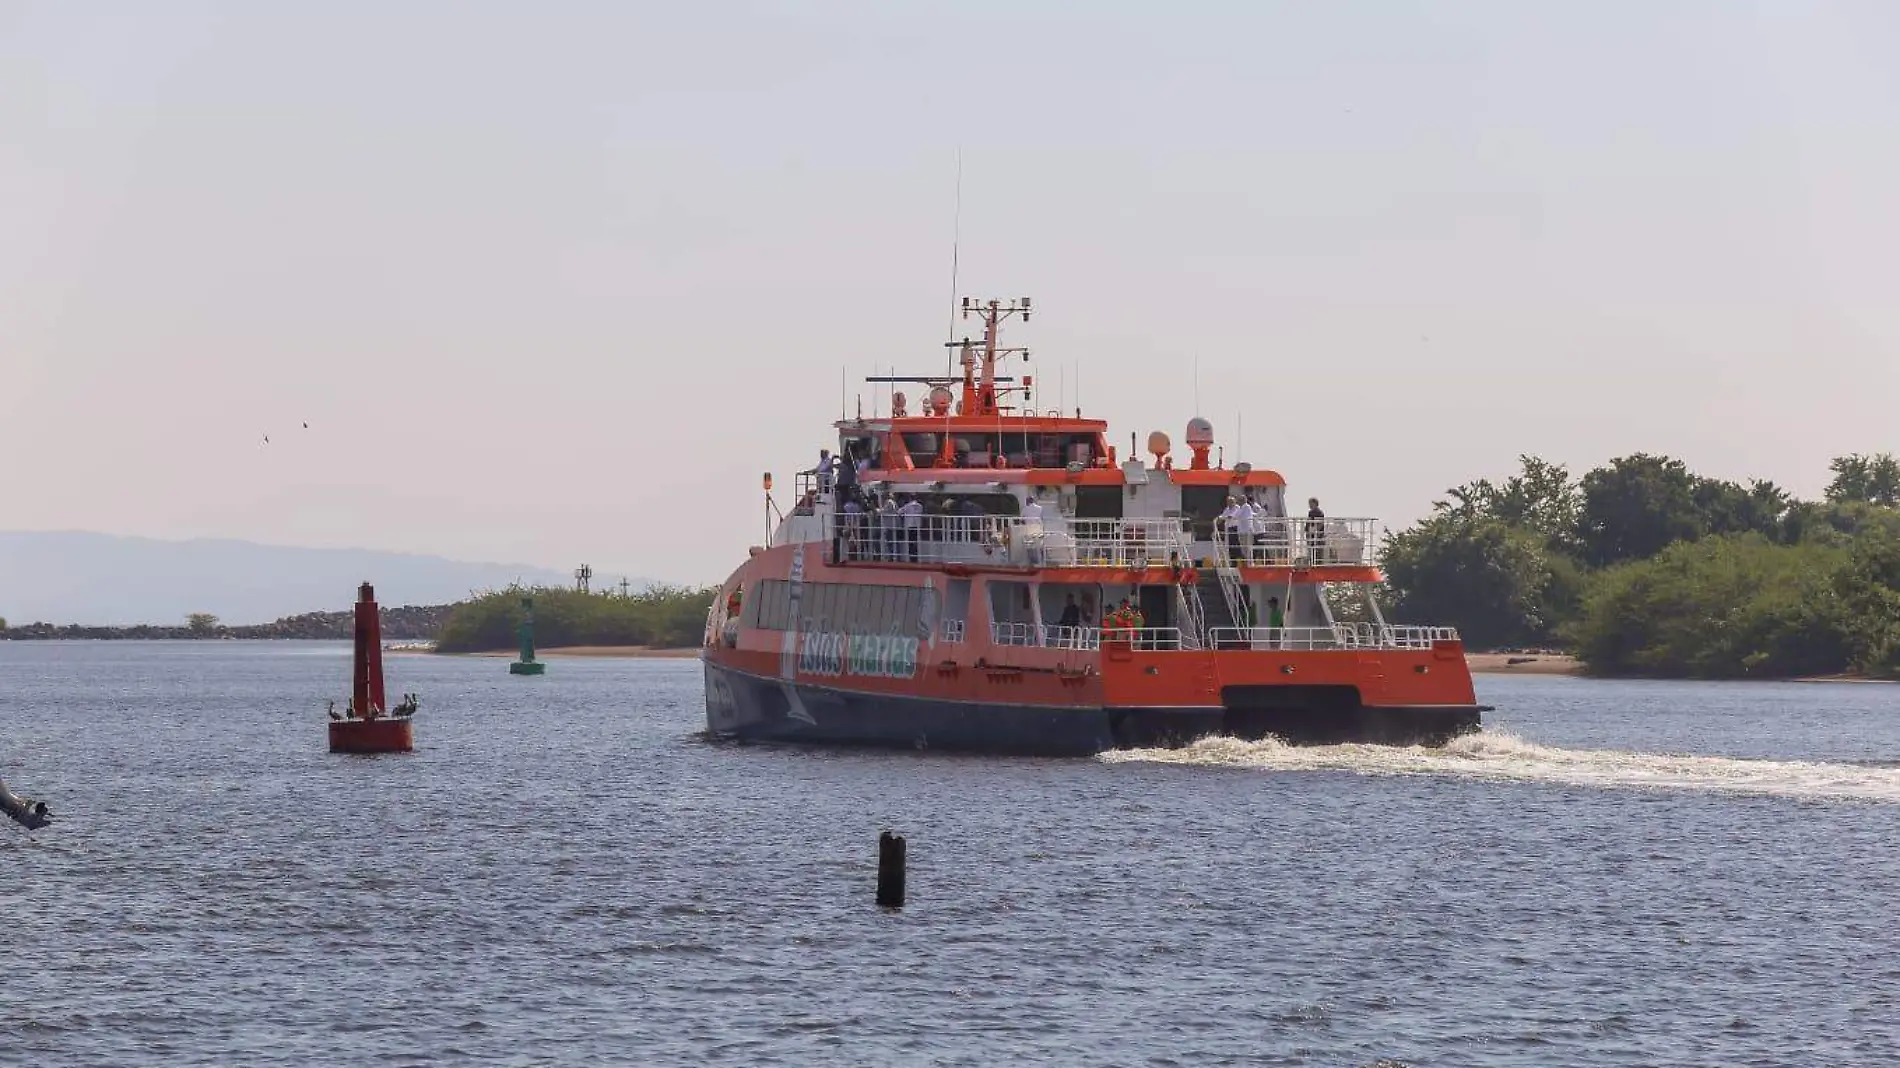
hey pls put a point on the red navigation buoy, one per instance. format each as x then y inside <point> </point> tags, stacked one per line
<point>366,725</point>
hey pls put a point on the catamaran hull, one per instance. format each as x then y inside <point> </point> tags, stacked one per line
<point>746,707</point>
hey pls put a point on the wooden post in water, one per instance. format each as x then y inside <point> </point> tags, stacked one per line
<point>890,870</point>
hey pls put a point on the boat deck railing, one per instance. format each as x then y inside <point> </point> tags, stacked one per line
<point>1061,542</point>
<point>1300,542</point>
<point>1338,636</point>
<point>1005,541</point>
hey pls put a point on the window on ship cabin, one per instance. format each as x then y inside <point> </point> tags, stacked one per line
<point>922,448</point>
<point>1098,502</point>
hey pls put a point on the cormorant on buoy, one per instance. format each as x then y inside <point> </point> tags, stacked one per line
<point>332,711</point>
<point>365,726</point>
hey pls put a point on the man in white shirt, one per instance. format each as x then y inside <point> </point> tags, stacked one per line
<point>1250,528</point>
<point>824,470</point>
<point>888,534</point>
<point>913,515</point>
<point>1032,531</point>
<point>1230,522</point>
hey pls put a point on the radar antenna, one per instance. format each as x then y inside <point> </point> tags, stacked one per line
<point>979,387</point>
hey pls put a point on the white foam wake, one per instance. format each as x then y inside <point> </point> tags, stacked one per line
<point>1501,756</point>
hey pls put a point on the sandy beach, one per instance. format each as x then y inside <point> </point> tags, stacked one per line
<point>1523,664</point>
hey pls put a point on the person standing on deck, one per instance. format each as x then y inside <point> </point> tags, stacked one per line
<point>1257,531</point>
<point>888,529</point>
<point>1230,522</point>
<point>824,470</point>
<point>1276,623</point>
<point>1315,531</point>
<point>847,477</point>
<point>1244,516</point>
<point>1032,531</point>
<point>913,515</point>
<point>972,526</point>
<point>1071,614</point>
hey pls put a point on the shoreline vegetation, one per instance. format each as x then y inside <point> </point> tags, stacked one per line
<point>660,617</point>
<point>402,623</point>
<point>1644,569</point>
<point>1639,569</point>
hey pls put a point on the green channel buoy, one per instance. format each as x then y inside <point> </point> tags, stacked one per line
<point>527,665</point>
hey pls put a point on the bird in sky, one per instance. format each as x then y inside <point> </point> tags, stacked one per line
<point>267,439</point>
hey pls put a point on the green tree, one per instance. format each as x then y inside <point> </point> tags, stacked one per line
<point>1499,584</point>
<point>1867,587</point>
<point>1721,607</point>
<point>1865,479</point>
<point>1637,506</point>
<point>1541,497</point>
<point>201,622</point>
<point>662,616</point>
<point>1729,508</point>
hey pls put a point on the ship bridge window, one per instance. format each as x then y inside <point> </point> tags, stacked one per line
<point>1098,502</point>
<point>922,448</point>
<point>1202,505</point>
<point>986,504</point>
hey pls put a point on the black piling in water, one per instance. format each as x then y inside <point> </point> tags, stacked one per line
<point>33,815</point>
<point>890,870</point>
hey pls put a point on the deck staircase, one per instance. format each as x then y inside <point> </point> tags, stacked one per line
<point>1216,608</point>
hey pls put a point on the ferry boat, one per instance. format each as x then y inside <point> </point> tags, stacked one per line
<point>979,575</point>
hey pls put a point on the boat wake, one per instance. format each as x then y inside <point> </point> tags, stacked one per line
<point>1503,757</point>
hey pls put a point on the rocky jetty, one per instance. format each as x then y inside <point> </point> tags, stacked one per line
<point>407,623</point>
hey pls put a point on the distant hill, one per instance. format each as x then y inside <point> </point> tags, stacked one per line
<point>76,577</point>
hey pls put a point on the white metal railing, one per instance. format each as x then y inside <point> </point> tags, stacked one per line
<point>1338,636</point>
<point>1232,591</point>
<point>1060,637</point>
<point>1194,613</point>
<point>1409,637</point>
<point>1168,638</point>
<point>951,630</point>
<point>880,537</point>
<point>1013,633</point>
<point>1301,541</point>
<point>1118,543</point>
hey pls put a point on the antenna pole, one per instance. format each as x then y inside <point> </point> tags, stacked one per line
<point>956,248</point>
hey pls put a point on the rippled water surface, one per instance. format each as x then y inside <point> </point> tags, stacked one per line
<point>1616,873</point>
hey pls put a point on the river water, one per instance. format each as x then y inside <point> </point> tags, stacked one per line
<point>1614,874</point>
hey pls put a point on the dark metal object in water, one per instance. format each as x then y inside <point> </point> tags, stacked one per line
<point>26,812</point>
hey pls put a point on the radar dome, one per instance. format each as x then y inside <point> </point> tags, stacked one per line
<point>1200,432</point>
<point>940,398</point>
<point>1158,443</point>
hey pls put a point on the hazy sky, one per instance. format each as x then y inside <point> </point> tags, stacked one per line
<point>555,282</point>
